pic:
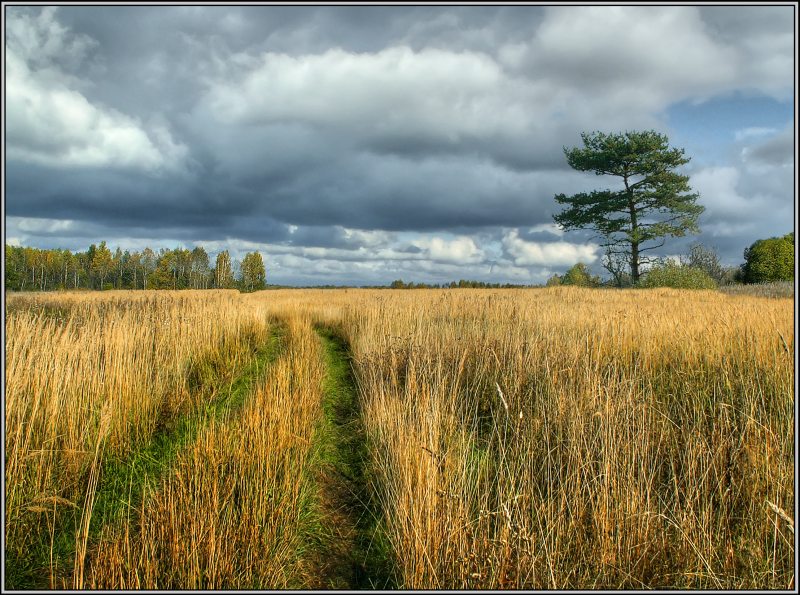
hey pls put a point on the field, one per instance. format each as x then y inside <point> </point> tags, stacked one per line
<point>552,438</point>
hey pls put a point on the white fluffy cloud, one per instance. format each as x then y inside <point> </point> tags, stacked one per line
<point>39,225</point>
<point>396,91</point>
<point>666,46</point>
<point>753,132</point>
<point>461,250</point>
<point>753,188</point>
<point>762,39</point>
<point>618,66</point>
<point>717,187</point>
<point>50,122</point>
<point>526,253</point>
<point>747,198</point>
<point>45,43</point>
<point>645,57</point>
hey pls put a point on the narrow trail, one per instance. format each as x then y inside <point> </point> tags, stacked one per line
<point>131,476</point>
<point>124,481</point>
<point>353,555</point>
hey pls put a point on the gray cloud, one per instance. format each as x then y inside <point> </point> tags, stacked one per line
<point>778,150</point>
<point>424,140</point>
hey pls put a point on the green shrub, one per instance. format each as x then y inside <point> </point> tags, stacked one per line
<point>579,275</point>
<point>554,281</point>
<point>678,276</point>
<point>770,260</point>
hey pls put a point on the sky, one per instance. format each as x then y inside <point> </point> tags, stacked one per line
<point>358,145</point>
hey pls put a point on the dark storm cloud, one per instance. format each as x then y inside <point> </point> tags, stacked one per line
<point>339,129</point>
<point>324,236</point>
<point>368,192</point>
<point>115,198</point>
<point>169,49</point>
<point>518,154</point>
<point>537,235</point>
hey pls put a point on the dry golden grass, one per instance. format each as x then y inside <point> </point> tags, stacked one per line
<point>558,438</point>
<point>573,438</point>
<point>230,514</point>
<point>88,374</point>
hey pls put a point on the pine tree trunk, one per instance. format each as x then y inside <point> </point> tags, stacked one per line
<point>635,262</point>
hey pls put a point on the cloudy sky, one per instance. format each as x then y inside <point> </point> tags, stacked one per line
<point>364,144</point>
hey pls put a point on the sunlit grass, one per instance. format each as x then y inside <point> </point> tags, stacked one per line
<point>554,438</point>
<point>573,438</point>
<point>90,378</point>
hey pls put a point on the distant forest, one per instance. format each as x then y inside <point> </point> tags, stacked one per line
<point>34,269</point>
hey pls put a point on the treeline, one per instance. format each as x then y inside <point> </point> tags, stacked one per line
<point>34,269</point>
<point>769,260</point>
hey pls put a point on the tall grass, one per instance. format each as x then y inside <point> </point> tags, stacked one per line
<point>775,289</point>
<point>554,438</point>
<point>88,376</point>
<point>573,438</point>
<point>235,508</point>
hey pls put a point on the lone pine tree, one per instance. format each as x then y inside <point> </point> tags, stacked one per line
<point>651,204</point>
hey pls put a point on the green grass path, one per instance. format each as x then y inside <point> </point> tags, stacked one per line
<point>131,476</point>
<point>353,552</point>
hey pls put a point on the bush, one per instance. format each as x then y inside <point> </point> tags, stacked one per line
<point>730,276</point>
<point>769,260</point>
<point>706,259</point>
<point>554,281</point>
<point>620,280</point>
<point>678,276</point>
<point>579,275</point>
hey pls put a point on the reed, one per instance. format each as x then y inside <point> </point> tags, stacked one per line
<point>89,377</point>
<point>544,438</point>
<point>571,438</point>
<point>235,507</point>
